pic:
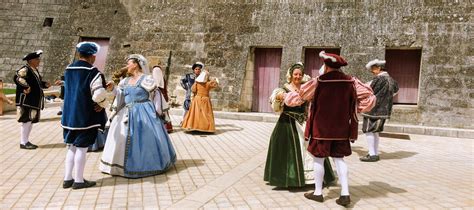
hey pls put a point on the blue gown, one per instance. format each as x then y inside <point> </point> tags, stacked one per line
<point>138,144</point>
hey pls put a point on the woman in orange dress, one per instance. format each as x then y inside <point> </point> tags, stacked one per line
<point>200,116</point>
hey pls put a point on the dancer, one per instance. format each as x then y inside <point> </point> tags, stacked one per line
<point>137,144</point>
<point>187,82</point>
<point>158,76</point>
<point>200,116</point>
<point>83,113</point>
<point>29,96</point>
<point>384,87</point>
<point>332,124</point>
<point>288,162</point>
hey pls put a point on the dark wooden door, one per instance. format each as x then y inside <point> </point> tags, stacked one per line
<point>404,67</point>
<point>266,78</point>
<point>101,56</point>
<point>312,60</point>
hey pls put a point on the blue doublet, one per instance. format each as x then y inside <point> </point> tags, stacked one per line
<point>79,120</point>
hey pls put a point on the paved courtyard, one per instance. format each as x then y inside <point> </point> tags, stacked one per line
<point>225,170</point>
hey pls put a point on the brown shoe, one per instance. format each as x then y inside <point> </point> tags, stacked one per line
<point>344,200</point>
<point>312,196</point>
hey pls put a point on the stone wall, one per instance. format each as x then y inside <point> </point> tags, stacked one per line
<point>224,33</point>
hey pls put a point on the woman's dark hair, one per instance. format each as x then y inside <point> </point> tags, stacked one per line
<point>196,65</point>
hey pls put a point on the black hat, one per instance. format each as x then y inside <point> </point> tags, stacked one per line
<point>197,64</point>
<point>32,55</point>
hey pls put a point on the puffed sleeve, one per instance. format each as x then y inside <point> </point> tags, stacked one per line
<point>148,83</point>
<point>277,105</point>
<point>99,94</point>
<point>21,77</point>
<point>183,82</point>
<point>306,93</point>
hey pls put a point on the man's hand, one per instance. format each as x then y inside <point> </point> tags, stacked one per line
<point>48,84</point>
<point>110,85</point>
<point>97,108</point>
<point>26,91</point>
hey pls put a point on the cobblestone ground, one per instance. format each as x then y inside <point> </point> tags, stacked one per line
<point>225,170</point>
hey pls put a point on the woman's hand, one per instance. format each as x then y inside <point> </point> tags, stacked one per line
<point>110,85</point>
<point>58,82</point>
<point>280,97</point>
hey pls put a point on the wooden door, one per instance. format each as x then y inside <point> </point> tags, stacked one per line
<point>266,78</point>
<point>101,56</point>
<point>313,62</point>
<point>404,67</point>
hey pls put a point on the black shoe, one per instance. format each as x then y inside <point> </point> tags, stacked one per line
<point>68,183</point>
<point>84,184</point>
<point>60,113</point>
<point>344,200</point>
<point>370,158</point>
<point>28,145</point>
<point>312,196</point>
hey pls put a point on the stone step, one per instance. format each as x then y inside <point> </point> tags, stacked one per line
<point>389,128</point>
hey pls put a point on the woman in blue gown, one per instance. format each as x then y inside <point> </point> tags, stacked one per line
<point>138,144</point>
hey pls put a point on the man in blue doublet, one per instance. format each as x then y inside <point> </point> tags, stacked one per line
<point>83,113</point>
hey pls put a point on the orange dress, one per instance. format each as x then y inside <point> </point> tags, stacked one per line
<point>200,116</point>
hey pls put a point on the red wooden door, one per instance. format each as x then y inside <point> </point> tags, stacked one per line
<point>267,75</point>
<point>313,62</point>
<point>101,56</point>
<point>404,67</point>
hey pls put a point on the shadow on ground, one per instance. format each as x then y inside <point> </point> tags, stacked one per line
<point>180,165</point>
<point>385,155</point>
<point>372,190</point>
<point>49,119</point>
<point>396,136</point>
<point>48,146</point>
<point>220,129</point>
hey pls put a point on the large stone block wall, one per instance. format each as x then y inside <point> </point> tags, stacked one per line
<point>223,34</point>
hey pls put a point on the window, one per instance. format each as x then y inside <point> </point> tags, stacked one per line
<point>404,66</point>
<point>48,22</point>
<point>313,62</point>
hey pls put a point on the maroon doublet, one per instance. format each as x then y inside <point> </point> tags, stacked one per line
<point>333,121</point>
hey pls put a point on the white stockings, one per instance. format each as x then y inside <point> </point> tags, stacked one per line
<point>373,143</point>
<point>76,156</point>
<point>342,173</point>
<point>25,132</point>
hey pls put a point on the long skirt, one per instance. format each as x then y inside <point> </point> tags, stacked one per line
<point>200,116</point>
<point>288,163</point>
<point>137,144</point>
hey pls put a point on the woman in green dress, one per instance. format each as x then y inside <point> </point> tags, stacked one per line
<point>287,156</point>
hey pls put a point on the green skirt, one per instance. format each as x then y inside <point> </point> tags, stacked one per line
<point>284,165</point>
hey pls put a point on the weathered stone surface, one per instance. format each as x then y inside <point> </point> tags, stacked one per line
<point>223,34</point>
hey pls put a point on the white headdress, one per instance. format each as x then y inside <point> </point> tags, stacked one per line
<point>203,77</point>
<point>141,61</point>
<point>375,62</point>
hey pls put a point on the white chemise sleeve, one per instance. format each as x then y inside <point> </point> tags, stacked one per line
<point>99,94</point>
